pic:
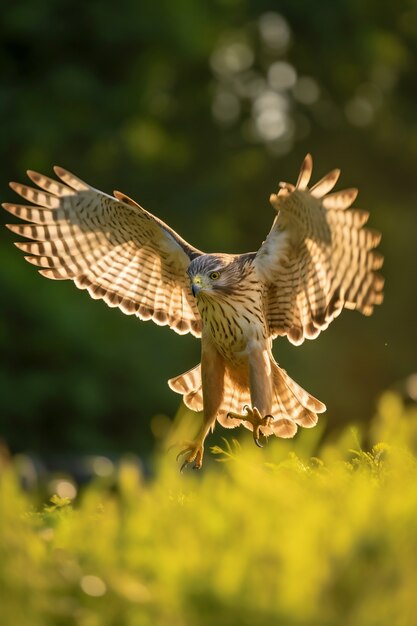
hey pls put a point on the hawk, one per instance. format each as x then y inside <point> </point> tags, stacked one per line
<point>316,260</point>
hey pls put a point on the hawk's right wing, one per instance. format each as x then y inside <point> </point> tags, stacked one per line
<point>108,245</point>
<point>317,258</point>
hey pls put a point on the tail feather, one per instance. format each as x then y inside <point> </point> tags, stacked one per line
<point>189,385</point>
<point>298,404</point>
<point>306,399</point>
<point>292,405</point>
<point>236,396</point>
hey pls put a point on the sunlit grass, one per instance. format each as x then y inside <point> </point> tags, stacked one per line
<point>276,536</point>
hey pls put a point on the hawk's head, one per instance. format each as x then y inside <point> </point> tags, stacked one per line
<point>216,274</point>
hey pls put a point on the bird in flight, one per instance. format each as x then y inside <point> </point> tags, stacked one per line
<point>316,260</point>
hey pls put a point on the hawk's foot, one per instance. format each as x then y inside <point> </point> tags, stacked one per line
<point>192,453</point>
<point>253,417</point>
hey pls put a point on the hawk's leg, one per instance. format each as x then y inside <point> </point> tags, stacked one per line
<point>254,417</point>
<point>260,384</point>
<point>194,450</point>
<point>212,378</point>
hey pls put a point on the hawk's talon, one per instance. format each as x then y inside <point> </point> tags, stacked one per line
<point>177,458</point>
<point>257,442</point>
<point>256,434</point>
<point>194,451</point>
<point>253,416</point>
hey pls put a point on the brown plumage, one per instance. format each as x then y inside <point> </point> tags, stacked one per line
<point>317,259</point>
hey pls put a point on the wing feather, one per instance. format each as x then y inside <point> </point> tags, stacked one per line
<point>318,258</point>
<point>109,246</point>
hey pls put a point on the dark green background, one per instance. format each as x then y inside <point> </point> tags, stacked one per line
<point>122,93</point>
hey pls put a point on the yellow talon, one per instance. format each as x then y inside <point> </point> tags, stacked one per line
<point>254,417</point>
<point>193,453</point>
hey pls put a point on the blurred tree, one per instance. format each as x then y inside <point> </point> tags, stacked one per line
<point>197,109</point>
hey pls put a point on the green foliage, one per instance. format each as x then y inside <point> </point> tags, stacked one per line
<point>265,537</point>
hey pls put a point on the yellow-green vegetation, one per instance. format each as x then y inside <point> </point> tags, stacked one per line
<point>265,537</point>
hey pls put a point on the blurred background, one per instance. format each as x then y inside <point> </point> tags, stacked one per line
<point>197,109</point>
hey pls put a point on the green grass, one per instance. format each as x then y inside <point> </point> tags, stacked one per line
<point>265,537</point>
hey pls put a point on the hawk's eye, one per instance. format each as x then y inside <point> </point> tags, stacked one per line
<point>214,275</point>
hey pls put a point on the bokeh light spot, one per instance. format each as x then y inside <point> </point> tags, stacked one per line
<point>282,75</point>
<point>274,31</point>
<point>93,586</point>
<point>63,488</point>
<point>102,466</point>
<point>231,58</point>
<point>271,123</point>
<point>411,386</point>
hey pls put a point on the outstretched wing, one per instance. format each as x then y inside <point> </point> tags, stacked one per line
<point>317,258</point>
<point>108,245</point>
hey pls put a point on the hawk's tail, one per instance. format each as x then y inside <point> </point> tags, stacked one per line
<point>292,405</point>
<point>292,402</point>
<point>189,385</point>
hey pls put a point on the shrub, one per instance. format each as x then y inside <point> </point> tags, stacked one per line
<point>265,537</point>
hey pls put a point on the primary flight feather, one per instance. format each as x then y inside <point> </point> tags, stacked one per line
<point>316,260</point>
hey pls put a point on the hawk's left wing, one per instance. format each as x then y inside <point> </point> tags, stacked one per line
<point>317,258</point>
<point>108,245</point>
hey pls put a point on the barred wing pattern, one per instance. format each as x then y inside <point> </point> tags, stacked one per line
<point>317,258</point>
<point>108,245</point>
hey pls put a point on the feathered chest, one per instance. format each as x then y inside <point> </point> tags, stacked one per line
<point>232,322</point>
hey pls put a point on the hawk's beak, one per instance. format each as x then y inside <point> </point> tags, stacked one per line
<point>196,285</point>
